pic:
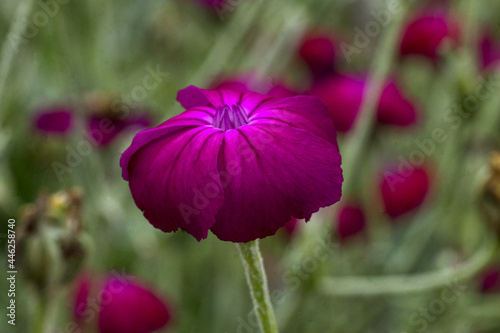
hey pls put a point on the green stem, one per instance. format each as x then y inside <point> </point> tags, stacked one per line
<point>289,24</point>
<point>488,119</point>
<point>13,41</point>
<point>404,284</point>
<point>46,313</point>
<point>360,137</point>
<point>227,42</point>
<point>257,282</point>
<point>39,318</point>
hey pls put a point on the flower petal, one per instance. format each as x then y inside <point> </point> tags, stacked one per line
<point>271,174</point>
<point>303,112</point>
<point>174,180</point>
<point>192,96</point>
<point>196,117</point>
<point>252,101</point>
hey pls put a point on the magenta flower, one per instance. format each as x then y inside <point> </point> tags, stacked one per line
<point>120,305</point>
<point>318,51</point>
<point>238,164</point>
<point>425,33</point>
<point>489,50</point>
<point>343,96</point>
<point>350,221</point>
<point>104,129</point>
<point>56,120</point>
<point>405,191</point>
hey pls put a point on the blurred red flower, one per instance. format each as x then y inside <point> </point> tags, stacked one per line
<point>405,191</point>
<point>350,221</point>
<point>426,32</point>
<point>119,305</point>
<point>343,94</point>
<point>56,120</point>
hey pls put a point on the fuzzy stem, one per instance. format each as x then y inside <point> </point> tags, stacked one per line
<point>257,282</point>
<point>13,41</point>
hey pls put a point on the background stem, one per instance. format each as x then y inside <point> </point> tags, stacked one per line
<point>359,139</point>
<point>406,284</point>
<point>13,41</point>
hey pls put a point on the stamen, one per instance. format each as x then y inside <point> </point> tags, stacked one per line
<point>227,118</point>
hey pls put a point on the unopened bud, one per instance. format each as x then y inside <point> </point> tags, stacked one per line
<point>490,196</point>
<point>52,245</point>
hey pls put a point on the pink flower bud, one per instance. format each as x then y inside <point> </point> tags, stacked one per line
<point>55,120</point>
<point>489,51</point>
<point>403,192</point>
<point>490,280</point>
<point>350,221</point>
<point>427,31</point>
<point>318,51</point>
<point>120,305</point>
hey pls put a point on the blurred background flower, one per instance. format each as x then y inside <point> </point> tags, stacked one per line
<point>54,121</point>
<point>118,304</point>
<point>411,86</point>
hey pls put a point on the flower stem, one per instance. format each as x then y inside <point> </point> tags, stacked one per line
<point>13,40</point>
<point>39,317</point>
<point>360,138</point>
<point>227,42</point>
<point>46,311</point>
<point>257,282</point>
<point>406,284</point>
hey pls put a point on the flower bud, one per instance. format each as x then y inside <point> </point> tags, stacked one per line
<point>489,52</point>
<point>490,196</point>
<point>110,116</point>
<point>405,191</point>
<point>490,280</point>
<point>318,51</point>
<point>350,221</point>
<point>119,304</point>
<point>52,245</point>
<point>427,33</point>
<point>56,120</point>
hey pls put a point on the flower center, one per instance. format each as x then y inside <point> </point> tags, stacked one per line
<point>230,117</point>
